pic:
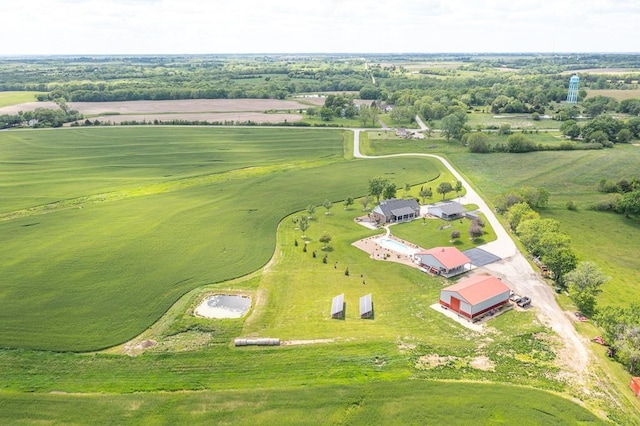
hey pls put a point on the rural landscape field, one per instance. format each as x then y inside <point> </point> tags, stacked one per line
<point>135,188</point>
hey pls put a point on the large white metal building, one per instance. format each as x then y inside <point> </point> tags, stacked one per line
<point>475,295</point>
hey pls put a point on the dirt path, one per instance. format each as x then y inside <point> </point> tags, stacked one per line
<point>423,126</point>
<point>516,271</point>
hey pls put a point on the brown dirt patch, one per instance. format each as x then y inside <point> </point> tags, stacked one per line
<point>177,106</point>
<point>255,117</point>
<point>432,360</point>
<point>134,348</point>
<point>483,363</point>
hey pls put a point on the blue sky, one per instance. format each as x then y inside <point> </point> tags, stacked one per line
<point>284,26</point>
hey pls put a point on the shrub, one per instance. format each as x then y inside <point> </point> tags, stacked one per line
<point>478,142</point>
<point>604,205</point>
<point>519,143</point>
<point>571,205</point>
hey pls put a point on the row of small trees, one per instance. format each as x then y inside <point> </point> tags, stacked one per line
<point>544,240</point>
<point>583,280</point>
<point>603,129</point>
<point>382,187</point>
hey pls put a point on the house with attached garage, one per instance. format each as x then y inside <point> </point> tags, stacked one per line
<point>395,210</point>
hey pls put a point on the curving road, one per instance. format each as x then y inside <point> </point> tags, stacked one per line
<point>516,271</point>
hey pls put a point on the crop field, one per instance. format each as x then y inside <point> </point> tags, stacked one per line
<point>13,98</point>
<point>166,209</point>
<point>618,95</point>
<point>157,107</point>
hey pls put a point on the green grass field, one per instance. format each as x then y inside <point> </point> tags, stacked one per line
<point>103,264</point>
<point>407,402</point>
<point>14,98</point>
<point>516,121</point>
<point>100,272</point>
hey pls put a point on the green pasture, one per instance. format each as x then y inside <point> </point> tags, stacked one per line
<point>386,143</point>
<point>403,402</point>
<point>608,239</point>
<point>516,121</point>
<point>91,275</point>
<point>14,98</point>
<point>431,233</point>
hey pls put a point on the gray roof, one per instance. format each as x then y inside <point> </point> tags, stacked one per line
<point>451,208</point>
<point>387,207</point>
<point>403,211</point>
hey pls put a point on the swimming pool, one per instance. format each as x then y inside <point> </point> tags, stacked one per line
<point>396,246</point>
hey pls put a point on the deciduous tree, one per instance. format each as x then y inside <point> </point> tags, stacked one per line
<point>452,126</point>
<point>389,191</point>
<point>444,188</point>
<point>365,201</point>
<point>348,203</point>
<point>376,186</point>
<point>327,204</point>
<point>584,284</point>
<point>425,193</point>
<point>325,239</point>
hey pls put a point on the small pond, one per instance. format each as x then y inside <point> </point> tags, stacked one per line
<point>224,306</point>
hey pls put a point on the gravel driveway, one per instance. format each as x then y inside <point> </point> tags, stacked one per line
<point>518,273</point>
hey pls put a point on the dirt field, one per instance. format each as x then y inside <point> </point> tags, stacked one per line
<point>256,117</point>
<point>611,71</point>
<point>615,94</point>
<point>155,107</point>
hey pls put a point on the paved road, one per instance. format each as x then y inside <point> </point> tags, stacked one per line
<point>517,272</point>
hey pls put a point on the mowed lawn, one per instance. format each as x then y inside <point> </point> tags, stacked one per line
<point>14,98</point>
<point>431,233</point>
<point>94,275</point>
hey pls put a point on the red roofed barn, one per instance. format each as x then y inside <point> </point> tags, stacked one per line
<point>446,261</point>
<point>475,295</point>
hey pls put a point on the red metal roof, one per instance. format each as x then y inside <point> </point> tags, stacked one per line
<point>450,257</point>
<point>478,288</point>
<point>635,385</point>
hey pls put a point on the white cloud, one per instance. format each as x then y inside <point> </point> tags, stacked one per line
<point>194,26</point>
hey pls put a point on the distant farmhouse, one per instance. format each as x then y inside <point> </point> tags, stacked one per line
<point>445,261</point>
<point>448,211</point>
<point>396,210</point>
